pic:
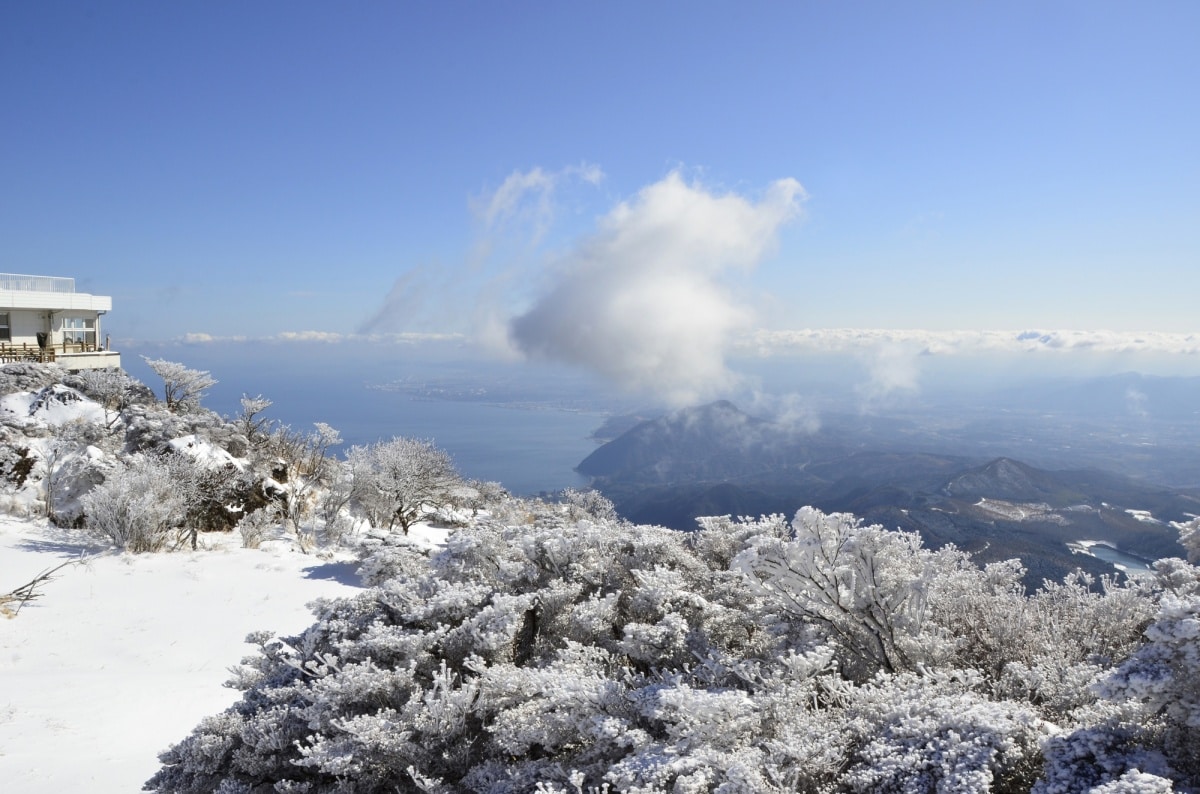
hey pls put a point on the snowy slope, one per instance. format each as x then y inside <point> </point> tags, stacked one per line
<point>124,655</point>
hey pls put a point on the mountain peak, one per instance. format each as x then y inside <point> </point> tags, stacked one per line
<point>1003,478</point>
<point>699,441</point>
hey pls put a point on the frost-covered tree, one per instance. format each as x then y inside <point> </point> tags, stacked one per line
<point>250,422</point>
<point>183,387</point>
<point>308,467</point>
<point>55,452</point>
<point>867,586</point>
<point>113,389</point>
<point>394,481</point>
<point>212,492</point>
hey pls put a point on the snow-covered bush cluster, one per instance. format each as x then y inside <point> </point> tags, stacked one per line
<point>546,649</point>
<point>98,450</point>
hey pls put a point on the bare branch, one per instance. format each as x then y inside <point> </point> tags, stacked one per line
<point>29,591</point>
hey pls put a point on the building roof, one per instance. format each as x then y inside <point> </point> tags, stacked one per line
<point>47,292</point>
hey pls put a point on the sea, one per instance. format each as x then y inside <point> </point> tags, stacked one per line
<point>529,445</point>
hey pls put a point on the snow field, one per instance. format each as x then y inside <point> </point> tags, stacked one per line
<point>123,655</point>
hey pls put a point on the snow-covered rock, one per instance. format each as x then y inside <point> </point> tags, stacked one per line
<point>54,405</point>
<point>205,453</point>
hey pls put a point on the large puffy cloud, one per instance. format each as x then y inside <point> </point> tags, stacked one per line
<point>645,301</point>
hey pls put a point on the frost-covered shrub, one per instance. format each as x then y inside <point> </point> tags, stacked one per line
<point>337,529</point>
<point>480,495</point>
<point>151,428</point>
<point>893,606</point>
<point>515,656</point>
<point>1135,782</point>
<point>1104,747</point>
<point>1148,720</point>
<point>550,654</point>
<point>308,467</point>
<point>870,588</point>
<point>720,539</point>
<point>383,562</point>
<point>334,502</point>
<point>449,516</point>
<point>1047,648</point>
<point>588,503</point>
<point>1064,638</point>
<point>1189,537</point>
<point>27,376</point>
<point>1163,679</point>
<point>113,389</point>
<point>70,471</point>
<point>256,526</point>
<point>139,507</point>
<point>938,732</point>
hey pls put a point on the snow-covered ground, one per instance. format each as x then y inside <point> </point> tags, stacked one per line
<point>1013,511</point>
<point>123,655</point>
<point>55,406</point>
<point>1144,515</point>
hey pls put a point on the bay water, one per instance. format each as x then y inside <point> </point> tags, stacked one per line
<point>528,446</point>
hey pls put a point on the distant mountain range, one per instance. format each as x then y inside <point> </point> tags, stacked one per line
<point>717,460</point>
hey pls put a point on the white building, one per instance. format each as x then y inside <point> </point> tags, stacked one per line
<point>43,318</point>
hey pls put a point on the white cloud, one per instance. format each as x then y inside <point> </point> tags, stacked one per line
<point>1135,401</point>
<point>942,343</point>
<point>310,336</point>
<point>790,409</point>
<point>643,301</point>
<point>527,197</point>
<point>893,369</point>
<point>323,337</point>
<point>515,217</point>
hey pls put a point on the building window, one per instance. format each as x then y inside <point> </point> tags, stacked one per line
<point>5,328</point>
<point>79,330</point>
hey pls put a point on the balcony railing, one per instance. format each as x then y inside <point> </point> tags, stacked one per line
<point>20,283</point>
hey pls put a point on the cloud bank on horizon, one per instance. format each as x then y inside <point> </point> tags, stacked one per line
<point>647,300</point>
<point>961,342</point>
<point>762,342</point>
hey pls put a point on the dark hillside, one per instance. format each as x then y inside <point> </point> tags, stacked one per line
<point>717,460</point>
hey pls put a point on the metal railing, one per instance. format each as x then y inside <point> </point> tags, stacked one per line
<point>20,283</point>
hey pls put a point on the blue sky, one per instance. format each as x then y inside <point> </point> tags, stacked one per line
<point>242,170</point>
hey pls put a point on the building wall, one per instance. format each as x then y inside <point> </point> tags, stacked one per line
<point>105,360</point>
<point>26,323</point>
